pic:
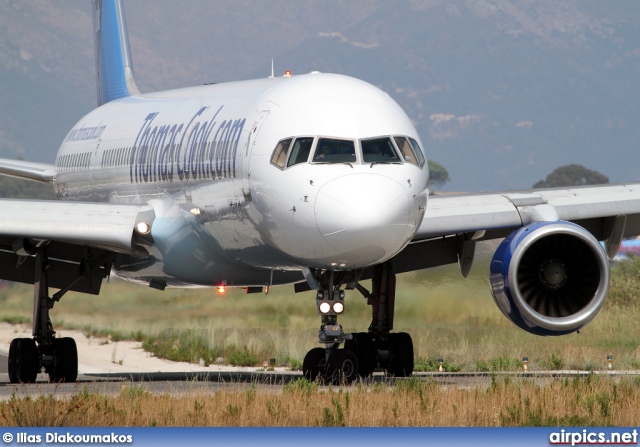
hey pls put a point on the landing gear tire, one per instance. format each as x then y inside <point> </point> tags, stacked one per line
<point>363,347</point>
<point>13,349</point>
<point>314,364</point>
<point>65,367</point>
<point>342,367</point>
<point>23,361</point>
<point>402,354</point>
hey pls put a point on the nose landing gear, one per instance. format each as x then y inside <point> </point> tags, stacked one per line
<point>362,351</point>
<point>331,363</point>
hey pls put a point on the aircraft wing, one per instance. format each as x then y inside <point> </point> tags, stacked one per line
<point>38,172</point>
<point>464,213</point>
<point>81,239</point>
<point>452,223</point>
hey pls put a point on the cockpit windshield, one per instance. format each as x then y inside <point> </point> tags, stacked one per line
<point>379,150</point>
<point>394,149</point>
<point>301,150</point>
<point>330,150</point>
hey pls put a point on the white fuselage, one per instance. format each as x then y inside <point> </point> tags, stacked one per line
<point>225,214</point>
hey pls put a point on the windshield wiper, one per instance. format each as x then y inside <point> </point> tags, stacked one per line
<point>384,163</point>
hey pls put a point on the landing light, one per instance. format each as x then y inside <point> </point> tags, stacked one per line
<point>222,289</point>
<point>143,228</point>
<point>325,307</point>
<point>338,307</point>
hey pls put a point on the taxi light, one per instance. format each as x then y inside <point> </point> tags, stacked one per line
<point>338,307</point>
<point>287,74</point>
<point>325,307</point>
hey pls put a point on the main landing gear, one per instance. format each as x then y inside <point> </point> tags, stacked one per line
<point>362,351</point>
<point>58,356</point>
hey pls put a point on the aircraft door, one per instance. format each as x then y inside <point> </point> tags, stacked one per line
<point>248,148</point>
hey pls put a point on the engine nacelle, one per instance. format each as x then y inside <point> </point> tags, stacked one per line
<point>550,278</point>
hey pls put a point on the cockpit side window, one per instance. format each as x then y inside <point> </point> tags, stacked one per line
<point>379,150</point>
<point>279,156</point>
<point>300,151</point>
<point>330,150</point>
<point>410,151</point>
<point>419,153</point>
<point>406,150</point>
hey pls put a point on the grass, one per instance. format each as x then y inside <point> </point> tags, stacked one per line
<point>590,401</point>
<point>448,317</point>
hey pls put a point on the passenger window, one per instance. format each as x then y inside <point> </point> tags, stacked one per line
<point>335,151</point>
<point>300,151</point>
<point>406,150</point>
<point>280,154</point>
<point>419,154</point>
<point>379,150</point>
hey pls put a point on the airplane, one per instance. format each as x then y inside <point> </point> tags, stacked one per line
<point>317,180</point>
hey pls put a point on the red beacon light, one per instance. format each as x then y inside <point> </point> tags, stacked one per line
<point>287,74</point>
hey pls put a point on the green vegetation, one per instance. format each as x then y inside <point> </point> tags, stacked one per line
<point>624,287</point>
<point>432,365</point>
<point>15,188</point>
<point>500,364</point>
<point>553,362</point>
<point>572,175</point>
<point>447,316</point>
<point>438,174</point>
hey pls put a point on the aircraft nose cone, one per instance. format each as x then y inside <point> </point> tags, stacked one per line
<point>365,218</point>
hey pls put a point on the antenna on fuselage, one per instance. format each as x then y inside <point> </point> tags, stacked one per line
<point>272,74</point>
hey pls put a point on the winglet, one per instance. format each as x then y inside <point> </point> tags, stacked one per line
<point>114,68</point>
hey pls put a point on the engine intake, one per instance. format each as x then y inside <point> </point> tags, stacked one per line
<point>550,278</point>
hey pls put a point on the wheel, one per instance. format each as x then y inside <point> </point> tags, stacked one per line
<point>26,363</point>
<point>65,363</point>
<point>13,352</point>
<point>402,354</point>
<point>364,348</point>
<point>314,364</point>
<point>342,366</point>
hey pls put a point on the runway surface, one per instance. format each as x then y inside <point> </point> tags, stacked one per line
<point>181,383</point>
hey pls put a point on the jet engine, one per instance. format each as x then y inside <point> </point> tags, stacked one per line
<point>550,278</point>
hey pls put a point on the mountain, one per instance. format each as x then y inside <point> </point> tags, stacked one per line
<point>502,92</point>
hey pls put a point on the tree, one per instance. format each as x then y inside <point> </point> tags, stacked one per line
<point>572,175</point>
<point>438,174</point>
